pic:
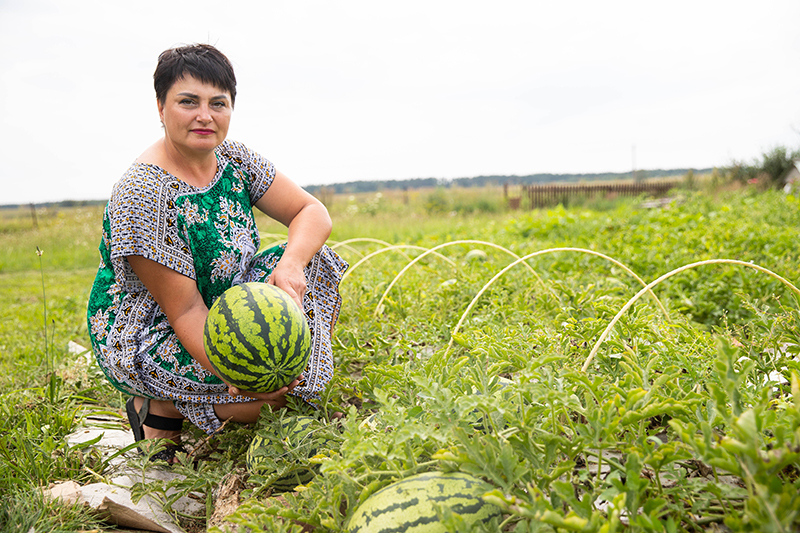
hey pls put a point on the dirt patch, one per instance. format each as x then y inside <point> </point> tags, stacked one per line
<point>226,501</point>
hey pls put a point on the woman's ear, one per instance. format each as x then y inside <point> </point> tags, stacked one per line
<point>160,111</point>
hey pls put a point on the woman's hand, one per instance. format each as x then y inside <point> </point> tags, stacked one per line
<point>291,279</point>
<point>309,227</point>
<point>276,398</point>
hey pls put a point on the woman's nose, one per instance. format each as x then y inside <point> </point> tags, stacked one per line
<point>204,113</point>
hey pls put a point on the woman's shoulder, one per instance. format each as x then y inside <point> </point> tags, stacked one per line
<point>142,184</point>
<point>141,174</point>
<point>234,151</point>
<point>249,160</point>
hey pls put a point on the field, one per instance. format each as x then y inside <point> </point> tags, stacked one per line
<point>605,367</point>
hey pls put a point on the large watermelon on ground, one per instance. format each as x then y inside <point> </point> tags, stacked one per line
<point>408,505</point>
<point>257,337</point>
<point>299,441</point>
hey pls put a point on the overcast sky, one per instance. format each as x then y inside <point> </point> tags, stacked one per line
<point>353,90</point>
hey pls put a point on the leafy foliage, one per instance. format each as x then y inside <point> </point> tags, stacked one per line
<point>771,169</point>
<point>679,424</point>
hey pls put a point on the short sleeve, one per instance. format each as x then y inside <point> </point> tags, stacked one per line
<point>260,171</point>
<point>143,220</point>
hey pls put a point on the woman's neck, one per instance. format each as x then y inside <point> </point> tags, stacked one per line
<point>193,168</point>
<point>197,170</point>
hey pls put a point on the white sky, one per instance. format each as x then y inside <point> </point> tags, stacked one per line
<point>352,90</point>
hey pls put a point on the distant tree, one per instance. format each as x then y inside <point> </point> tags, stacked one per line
<point>715,178</point>
<point>353,187</point>
<point>741,172</point>
<point>777,163</point>
<point>769,171</point>
<point>688,180</point>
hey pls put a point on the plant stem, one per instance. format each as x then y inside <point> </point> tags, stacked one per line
<point>44,305</point>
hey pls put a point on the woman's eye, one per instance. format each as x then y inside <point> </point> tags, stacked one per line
<point>219,104</point>
<point>187,101</point>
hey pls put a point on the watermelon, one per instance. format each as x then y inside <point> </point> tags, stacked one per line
<point>409,505</point>
<point>476,255</point>
<point>257,338</point>
<point>266,446</point>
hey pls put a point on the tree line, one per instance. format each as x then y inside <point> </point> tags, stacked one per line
<point>352,187</point>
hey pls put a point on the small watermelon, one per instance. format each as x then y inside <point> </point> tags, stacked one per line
<point>409,505</point>
<point>476,255</point>
<point>265,446</point>
<point>257,338</point>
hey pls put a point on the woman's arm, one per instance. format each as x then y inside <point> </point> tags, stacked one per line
<point>178,297</point>
<point>309,227</point>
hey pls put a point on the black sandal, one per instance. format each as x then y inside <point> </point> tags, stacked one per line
<point>137,421</point>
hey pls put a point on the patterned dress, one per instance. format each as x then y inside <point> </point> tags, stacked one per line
<point>209,235</point>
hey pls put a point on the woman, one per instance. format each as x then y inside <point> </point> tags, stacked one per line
<point>179,230</point>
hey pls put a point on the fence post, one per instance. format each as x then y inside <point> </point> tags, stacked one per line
<point>33,217</point>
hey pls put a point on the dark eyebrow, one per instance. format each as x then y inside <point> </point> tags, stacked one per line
<point>192,95</point>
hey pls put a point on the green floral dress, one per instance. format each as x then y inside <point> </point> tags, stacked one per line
<point>209,235</point>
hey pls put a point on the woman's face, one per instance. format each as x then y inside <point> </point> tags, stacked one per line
<point>195,115</point>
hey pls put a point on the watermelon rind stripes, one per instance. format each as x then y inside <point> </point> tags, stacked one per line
<point>409,505</point>
<point>256,337</point>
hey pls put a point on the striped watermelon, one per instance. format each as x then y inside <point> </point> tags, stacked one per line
<point>409,505</point>
<point>266,446</point>
<point>257,338</point>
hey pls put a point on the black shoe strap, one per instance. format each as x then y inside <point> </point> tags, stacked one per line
<point>163,422</point>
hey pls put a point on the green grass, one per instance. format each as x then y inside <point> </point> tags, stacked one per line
<point>679,403</point>
<point>69,238</point>
<point>25,511</point>
<point>24,361</point>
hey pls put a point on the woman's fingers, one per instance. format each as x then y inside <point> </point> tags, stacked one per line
<point>267,396</point>
<point>291,280</point>
<point>234,391</point>
<point>296,293</point>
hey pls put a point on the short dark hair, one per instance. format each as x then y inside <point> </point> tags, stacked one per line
<point>201,61</point>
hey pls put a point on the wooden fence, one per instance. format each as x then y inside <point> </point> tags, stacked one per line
<point>547,195</point>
